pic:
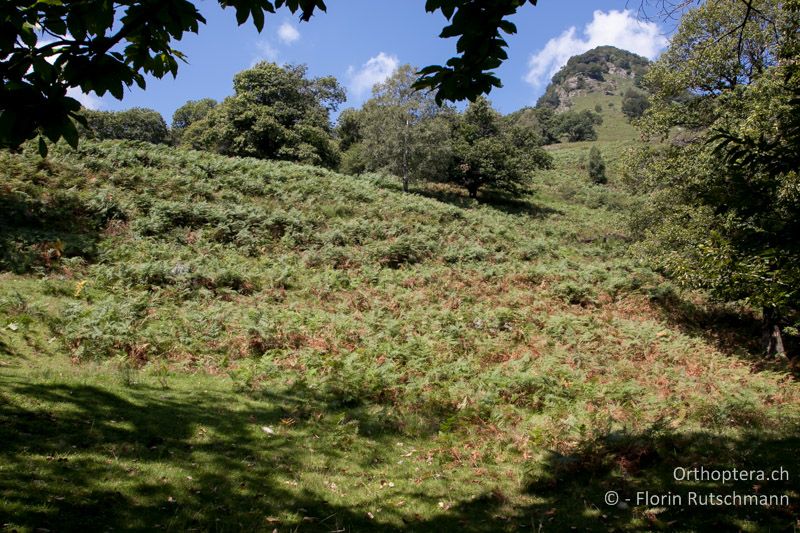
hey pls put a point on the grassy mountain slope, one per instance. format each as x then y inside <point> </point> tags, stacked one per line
<point>189,341</point>
<point>598,77</point>
<point>615,126</point>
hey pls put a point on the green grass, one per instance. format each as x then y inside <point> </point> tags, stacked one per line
<point>421,361</point>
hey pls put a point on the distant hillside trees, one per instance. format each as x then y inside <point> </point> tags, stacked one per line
<point>721,210</point>
<point>135,124</point>
<point>634,103</point>
<point>189,113</point>
<point>543,121</point>
<point>552,127</point>
<point>277,112</point>
<point>578,125</point>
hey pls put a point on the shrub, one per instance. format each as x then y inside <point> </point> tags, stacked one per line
<point>405,250</point>
<point>634,103</point>
<point>597,167</point>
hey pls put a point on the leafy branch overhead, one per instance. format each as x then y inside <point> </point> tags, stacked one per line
<point>51,46</point>
<point>480,46</point>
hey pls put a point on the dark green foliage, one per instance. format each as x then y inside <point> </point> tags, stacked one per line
<point>85,48</point>
<point>722,207</point>
<point>353,161</point>
<point>488,155</point>
<point>543,121</point>
<point>551,127</point>
<point>276,113</point>
<point>578,125</point>
<point>136,124</point>
<point>634,103</point>
<point>597,167</point>
<point>477,26</point>
<point>348,128</point>
<point>189,113</point>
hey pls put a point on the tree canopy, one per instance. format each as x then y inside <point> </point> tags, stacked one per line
<point>191,112</point>
<point>50,46</point>
<point>277,112</point>
<point>404,131</point>
<point>136,124</point>
<point>597,167</point>
<point>487,155</point>
<point>722,210</point>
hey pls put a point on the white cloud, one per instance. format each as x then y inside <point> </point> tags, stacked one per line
<point>288,33</point>
<point>375,70</point>
<point>615,28</point>
<point>87,100</point>
<point>265,52</point>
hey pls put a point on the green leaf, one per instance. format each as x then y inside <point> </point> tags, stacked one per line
<point>28,34</point>
<point>70,133</point>
<point>258,18</point>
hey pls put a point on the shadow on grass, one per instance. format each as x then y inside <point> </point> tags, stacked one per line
<point>89,463</point>
<point>454,196</point>
<point>5,349</point>
<point>569,491</point>
<point>39,231</point>
<point>101,461</point>
<point>733,332</point>
<point>496,200</point>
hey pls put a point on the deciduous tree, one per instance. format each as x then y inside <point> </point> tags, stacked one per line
<point>486,155</point>
<point>189,113</point>
<point>136,124</point>
<point>276,113</point>
<point>404,131</point>
<point>722,209</point>
<point>597,167</point>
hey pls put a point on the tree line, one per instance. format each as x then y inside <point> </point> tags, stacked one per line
<point>279,112</point>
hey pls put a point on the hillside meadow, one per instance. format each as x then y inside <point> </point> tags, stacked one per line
<point>195,342</point>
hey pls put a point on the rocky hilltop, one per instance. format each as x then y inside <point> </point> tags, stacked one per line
<point>605,70</point>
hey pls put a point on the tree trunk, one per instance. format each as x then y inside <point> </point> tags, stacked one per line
<point>771,333</point>
<point>405,157</point>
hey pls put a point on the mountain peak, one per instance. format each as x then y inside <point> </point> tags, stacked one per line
<point>604,69</point>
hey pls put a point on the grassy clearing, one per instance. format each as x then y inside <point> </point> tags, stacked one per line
<point>420,361</point>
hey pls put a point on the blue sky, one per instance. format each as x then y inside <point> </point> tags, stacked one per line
<point>360,42</point>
